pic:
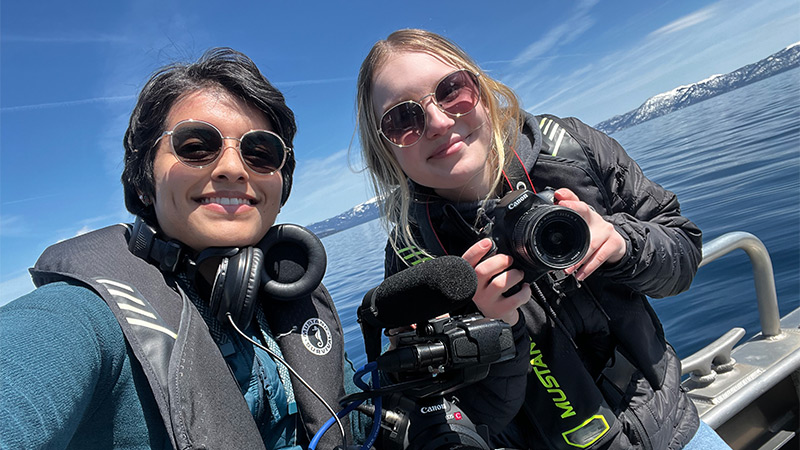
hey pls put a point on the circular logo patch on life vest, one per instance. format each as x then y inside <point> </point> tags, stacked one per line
<point>317,336</point>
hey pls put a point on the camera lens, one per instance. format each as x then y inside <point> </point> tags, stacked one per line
<point>560,238</point>
<point>553,236</point>
<point>557,239</point>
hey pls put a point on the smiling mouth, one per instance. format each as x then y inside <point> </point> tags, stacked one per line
<point>447,150</point>
<point>227,201</point>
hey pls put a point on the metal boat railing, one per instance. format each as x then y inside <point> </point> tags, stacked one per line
<point>717,355</point>
<point>750,393</point>
<point>762,274</point>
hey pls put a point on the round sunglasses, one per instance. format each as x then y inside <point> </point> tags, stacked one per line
<point>199,144</point>
<point>457,94</point>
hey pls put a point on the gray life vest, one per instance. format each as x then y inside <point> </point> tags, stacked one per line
<point>197,395</point>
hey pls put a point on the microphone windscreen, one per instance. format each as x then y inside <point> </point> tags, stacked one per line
<point>421,292</point>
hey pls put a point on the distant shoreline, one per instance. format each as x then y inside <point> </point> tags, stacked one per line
<point>683,96</point>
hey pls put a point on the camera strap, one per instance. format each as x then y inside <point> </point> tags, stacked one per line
<point>515,175</point>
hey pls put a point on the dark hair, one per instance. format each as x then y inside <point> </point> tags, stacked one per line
<point>223,68</point>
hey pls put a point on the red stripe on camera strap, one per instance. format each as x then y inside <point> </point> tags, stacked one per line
<point>515,174</point>
<point>433,229</point>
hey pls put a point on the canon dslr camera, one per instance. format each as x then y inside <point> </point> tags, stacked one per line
<point>539,235</point>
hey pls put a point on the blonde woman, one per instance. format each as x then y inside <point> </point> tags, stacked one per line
<point>444,142</point>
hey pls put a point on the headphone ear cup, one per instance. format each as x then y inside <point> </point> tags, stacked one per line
<point>236,286</point>
<point>253,284</point>
<point>218,300</point>
<point>294,262</point>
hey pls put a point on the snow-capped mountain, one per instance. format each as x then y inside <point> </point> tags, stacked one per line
<point>359,214</point>
<point>683,96</point>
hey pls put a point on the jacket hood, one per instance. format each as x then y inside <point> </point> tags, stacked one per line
<point>529,140</point>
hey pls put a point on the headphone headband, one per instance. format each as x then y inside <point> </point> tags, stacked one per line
<point>145,244</point>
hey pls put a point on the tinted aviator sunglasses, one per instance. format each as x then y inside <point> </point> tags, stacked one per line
<point>199,144</point>
<point>457,94</point>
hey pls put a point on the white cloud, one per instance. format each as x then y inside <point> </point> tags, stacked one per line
<point>15,287</point>
<point>8,109</point>
<point>30,199</point>
<point>11,226</point>
<point>556,37</point>
<point>536,59</point>
<point>621,81</point>
<point>83,230</point>
<point>79,38</point>
<point>93,223</point>
<point>686,22</point>
<point>285,84</point>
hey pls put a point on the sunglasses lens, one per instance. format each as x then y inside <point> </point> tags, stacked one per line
<point>264,152</point>
<point>458,93</point>
<point>403,124</point>
<point>196,144</point>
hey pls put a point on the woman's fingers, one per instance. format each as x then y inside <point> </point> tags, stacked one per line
<point>495,277</point>
<point>606,244</point>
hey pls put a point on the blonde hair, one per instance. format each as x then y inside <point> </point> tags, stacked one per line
<point>388,179</point>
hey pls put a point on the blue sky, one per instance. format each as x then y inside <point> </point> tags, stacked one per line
<point>70,72</point>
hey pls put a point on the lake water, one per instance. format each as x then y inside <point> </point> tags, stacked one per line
<point>733,160</point>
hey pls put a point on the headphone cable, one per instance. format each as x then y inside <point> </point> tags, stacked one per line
<point>308,386</point>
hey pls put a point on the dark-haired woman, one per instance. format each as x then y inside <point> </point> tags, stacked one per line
<point>126,342</point>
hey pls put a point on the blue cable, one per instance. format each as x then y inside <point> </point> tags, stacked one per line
<point>330,423</point>
<point>357,379</point>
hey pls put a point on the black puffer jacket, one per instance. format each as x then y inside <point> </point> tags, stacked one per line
<point>602,375</point>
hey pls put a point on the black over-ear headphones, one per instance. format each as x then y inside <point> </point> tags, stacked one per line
<point>287,264</point>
